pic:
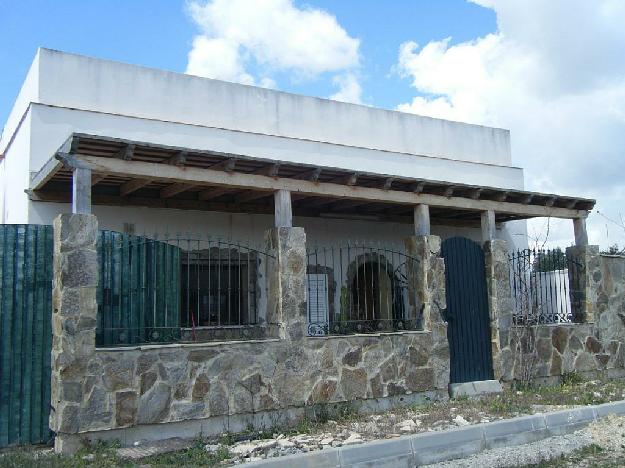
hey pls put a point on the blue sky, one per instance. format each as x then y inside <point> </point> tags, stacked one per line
<point>551,71</point>
<point>158,33</point>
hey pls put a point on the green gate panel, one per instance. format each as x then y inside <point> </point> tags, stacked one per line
<point>468,328</point>
<point>26,253</point>
<point>139,290</point>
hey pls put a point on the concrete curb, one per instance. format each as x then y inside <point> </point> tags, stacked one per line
<point>433,447</point>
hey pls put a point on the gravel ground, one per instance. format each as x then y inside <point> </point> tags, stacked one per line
<point>609,434</point>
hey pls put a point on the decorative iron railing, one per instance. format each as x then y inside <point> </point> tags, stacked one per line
<point>179,289</point>
<point>546,286</point>
<point>361,289</point>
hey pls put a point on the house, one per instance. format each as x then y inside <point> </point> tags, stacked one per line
<point>237,249</point>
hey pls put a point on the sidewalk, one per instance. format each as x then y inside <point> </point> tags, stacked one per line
<point>433,447</point>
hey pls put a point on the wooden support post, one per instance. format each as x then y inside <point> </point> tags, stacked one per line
<point>283,210</point>
<point>581,236</point>
<point>81,191</point>
<point>488,225</point>
<point>422,220</point>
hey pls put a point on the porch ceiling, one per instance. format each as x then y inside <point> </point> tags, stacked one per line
<point>143,174</point>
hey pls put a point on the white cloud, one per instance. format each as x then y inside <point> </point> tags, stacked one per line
<point>553,74</point>
<point>349,89</point>
<point>273,35</point>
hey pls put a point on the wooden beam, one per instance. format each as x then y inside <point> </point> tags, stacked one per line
<point>488,225</point>
<point>237,180</point>
<point>97,178</point>
<point>256,208</point>
<point>311,175</point>
<point>581,236</point>
<point>418,187</point>
<point>214,192</point>
<point>226,165</point>
<point>422,220</point>
<point>550,201</point>
<point>270,170</point>
<point>81,191</point>
<point>132,186</point>
<point>46,173</point>
<point>179,159</point>
<point>283,209</point>
<point>476,194</point>
<point>174,189</point>
<point>351,179</point>
<point>501,196</point>
<point>449,191</point>
<point>127,152</point>
<point>388,182</point>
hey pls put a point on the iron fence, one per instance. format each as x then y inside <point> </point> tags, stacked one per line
<point>361,289</point>
<point>179,289</point>
<point>546,286</point>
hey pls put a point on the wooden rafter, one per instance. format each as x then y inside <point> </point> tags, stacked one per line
<point>97,178</point>
<point>132,186</point>
<point>213,192</point>
<point>174,189</point>
<point>270,170</point>
<point>226,165</point>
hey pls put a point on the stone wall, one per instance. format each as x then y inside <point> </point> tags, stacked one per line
<point>74,320</point>
<point>499,303</point>
<point>594,349</point>
<point>105,389</point>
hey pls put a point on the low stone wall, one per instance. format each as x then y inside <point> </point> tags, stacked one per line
<point>181,382</point>
<point>594,349</point>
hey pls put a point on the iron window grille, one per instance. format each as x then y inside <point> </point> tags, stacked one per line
<point>546,286</point>
<point>361,289</point>
<point>179,289</point>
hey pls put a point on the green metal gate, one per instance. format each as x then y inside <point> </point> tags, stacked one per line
<point>139,290</point>
<point>468,327</point>
<point>26,253</point>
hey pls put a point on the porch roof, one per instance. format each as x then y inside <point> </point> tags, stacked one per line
<point>144,174</point>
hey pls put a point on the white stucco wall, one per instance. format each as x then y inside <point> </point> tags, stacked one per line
<point>52,126</point>
<point>66,93</point>
<point>86,83</point>
<point>16,176</point>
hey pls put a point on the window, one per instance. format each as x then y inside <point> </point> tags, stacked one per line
<point>218,288</point>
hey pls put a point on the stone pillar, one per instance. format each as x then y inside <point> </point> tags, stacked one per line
<point>584,262</point>
<point>428,279</point>
<point>73,322</point>
<point>287,293</point>
<point>500,306</point>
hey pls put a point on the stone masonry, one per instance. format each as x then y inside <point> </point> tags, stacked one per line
<point>101,389</point>
<point>499,302</point>
<point>74,321</point>
<point>595,348</point>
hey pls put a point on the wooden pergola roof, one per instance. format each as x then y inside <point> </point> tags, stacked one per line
<point>143,174</point>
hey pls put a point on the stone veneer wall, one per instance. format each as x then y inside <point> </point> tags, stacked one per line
<point>100,389</point>
<point>596,348</point>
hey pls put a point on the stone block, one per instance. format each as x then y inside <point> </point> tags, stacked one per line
<point>471,389</point>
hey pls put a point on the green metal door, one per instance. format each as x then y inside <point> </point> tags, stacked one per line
<point>468,328</point>
<point>25,333</point>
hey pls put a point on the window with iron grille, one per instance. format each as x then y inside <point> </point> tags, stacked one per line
<point>219,288</point>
